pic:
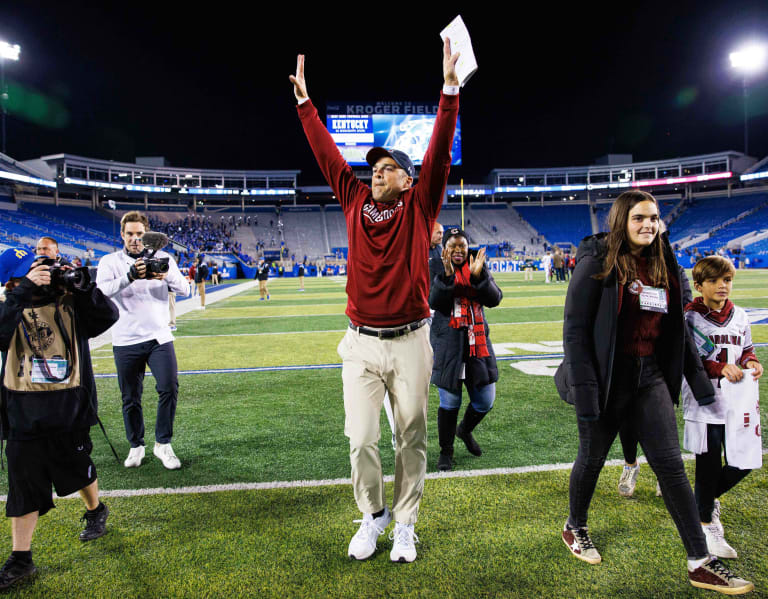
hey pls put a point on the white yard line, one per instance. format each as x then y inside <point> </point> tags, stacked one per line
<point>294,484</point>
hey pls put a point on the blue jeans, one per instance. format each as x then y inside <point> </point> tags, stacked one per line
<point>481,398</point>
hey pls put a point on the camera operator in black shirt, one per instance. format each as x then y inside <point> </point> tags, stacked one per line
<point>48,395</point>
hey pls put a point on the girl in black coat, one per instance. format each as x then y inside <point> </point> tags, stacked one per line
<point>626,350</point>
<point>461,286</point>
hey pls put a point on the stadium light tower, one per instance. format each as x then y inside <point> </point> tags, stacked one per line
<point>7,52</point>
<point>750,60</point>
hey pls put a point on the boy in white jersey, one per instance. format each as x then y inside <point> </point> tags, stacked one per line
<point>724,339</point>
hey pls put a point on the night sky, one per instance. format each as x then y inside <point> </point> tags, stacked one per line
<point>209,88</point>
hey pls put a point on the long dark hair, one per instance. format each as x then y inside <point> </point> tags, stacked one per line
<point>619,257</point>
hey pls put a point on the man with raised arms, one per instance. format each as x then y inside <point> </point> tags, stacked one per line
<point>386,347</point>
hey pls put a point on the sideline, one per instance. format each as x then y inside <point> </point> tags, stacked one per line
<point>295,484</point>
<point>524,357</point>
<point>184,307</point>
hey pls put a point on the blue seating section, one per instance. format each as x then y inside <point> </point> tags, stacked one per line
<point>559,223</point>
<point>17,224</point>
<point>94,224</point>
<point>706,214</point>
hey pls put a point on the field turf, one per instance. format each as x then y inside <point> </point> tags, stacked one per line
<point>487,536</point>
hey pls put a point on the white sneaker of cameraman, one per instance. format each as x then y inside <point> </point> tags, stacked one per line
<point>164,452</point>
<point>363,544</point>
<point>134,457</point>
<point>404,546</point>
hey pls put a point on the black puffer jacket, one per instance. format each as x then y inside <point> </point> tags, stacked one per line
<point>449,344</point>
<point>589,336</point>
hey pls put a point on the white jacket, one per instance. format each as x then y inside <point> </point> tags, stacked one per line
<point>143,304</point>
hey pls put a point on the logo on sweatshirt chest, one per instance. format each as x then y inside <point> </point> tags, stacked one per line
<point>374,215</point>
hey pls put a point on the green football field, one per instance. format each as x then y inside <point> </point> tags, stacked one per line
<point>260,402</point>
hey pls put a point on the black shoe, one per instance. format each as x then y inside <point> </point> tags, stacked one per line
<point>464,432</point>
<point>95,524</point>
<point>15,570</point>
<point>444,463</point>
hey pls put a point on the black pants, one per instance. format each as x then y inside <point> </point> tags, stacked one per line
<point>628,443</point>
<point>131,361</point>
<point>640,397</point>
<point>713,478</point>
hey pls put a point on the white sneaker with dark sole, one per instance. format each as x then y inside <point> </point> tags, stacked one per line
<point>363,544</point>
<point>404,547</point>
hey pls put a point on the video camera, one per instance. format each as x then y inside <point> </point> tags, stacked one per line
<point>153,243</point>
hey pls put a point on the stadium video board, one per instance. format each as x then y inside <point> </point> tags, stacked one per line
<point>407,126</point>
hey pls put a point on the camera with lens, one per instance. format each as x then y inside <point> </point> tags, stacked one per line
<point>66,279</point>
<point>153,243</point>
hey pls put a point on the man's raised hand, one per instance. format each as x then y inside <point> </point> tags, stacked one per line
<point>299,84</point>
<point>449,64</point>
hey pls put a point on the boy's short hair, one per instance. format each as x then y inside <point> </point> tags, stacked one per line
<point>712,267</point>
<point>134,217</point>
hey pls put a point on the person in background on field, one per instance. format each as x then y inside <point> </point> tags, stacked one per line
<point>201,274</point>
<point>731,426</point>
<point>48,247</point>
<point>436,242</point>
<point>546,262</point>
<point>263,276</point>
<point>301,276</point>
<point>626,349</point>
<point>191,277</point>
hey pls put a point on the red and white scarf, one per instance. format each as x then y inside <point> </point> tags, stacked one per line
<point>468,313</point>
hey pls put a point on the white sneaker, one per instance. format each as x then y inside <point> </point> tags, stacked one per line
<point>716,512</point>
<point>716,543</point>
<point>363,544</point>
<point>404,547</point>
<point>134,457</point>
<point>628,480</point>
<point>164,452</point>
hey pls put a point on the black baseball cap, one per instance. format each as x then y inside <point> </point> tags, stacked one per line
<point>400,157</point>
<point>453,232</point>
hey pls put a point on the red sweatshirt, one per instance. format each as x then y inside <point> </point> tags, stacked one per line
<point>387,265</point>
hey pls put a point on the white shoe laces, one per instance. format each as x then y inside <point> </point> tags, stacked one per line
<point>167,451</point>
<point>368,530</point>
<point>403,535</point>
<point>716,531</point>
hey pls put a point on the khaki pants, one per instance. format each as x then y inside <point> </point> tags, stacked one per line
<point>172,308</point>
<point>201,292</point>
<point>403,367</point>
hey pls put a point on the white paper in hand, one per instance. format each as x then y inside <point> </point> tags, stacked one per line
<point>743,444</point>
<point>457,32</point>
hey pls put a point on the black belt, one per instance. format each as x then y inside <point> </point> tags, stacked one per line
<point>390,333</point>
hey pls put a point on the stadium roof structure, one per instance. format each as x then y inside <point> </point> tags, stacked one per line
<point>758,172</point>
<point>95,173</point>
<point>675,171</point>
<point>12,171</point>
